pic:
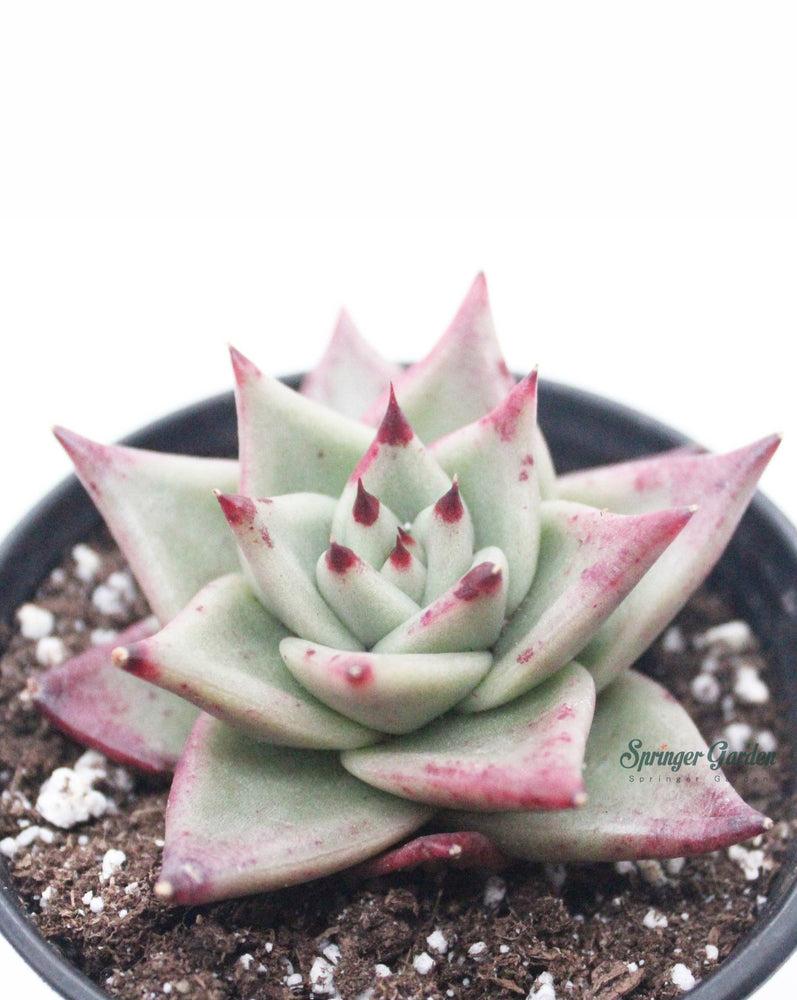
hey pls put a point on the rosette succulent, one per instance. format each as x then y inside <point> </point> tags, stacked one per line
<point>389,632</point>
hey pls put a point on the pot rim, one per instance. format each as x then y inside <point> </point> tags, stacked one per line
<point>619,432</point>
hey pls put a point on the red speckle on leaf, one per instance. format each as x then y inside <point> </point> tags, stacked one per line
<point>339,558</point>
<point>394,429</point>
<point>523,476</point>
<point>450,507</point>
<point>366,506</point>
<point>264,534</point>
<point>525,656</point>
<point>566,712</point>
<point>481,581</point>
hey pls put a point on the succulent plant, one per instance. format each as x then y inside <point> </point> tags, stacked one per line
<point>393,634</point>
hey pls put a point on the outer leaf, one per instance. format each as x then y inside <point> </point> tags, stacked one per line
<point>721,486</point>
<point>460,379</point>
<point>394,693</point>
<point>289,443</point>
<point>351,375</point>
<point>525,755</point>
<point>280,540</point>
<point>222,654</point>
<point>626,818</point>
<point>463,850</point>
<point>288,816</point>
<point>468,616</point>
<point>589,561</point>
<point>161,511</point>
<point>130,721</point>
<point>495,462</point>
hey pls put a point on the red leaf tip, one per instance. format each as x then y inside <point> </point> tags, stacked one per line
<point>394,429</point>
<point>366,506</point>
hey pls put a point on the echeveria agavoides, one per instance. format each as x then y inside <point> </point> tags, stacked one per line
<point>390,612</point>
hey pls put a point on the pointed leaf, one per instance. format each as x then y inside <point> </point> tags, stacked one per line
<point>369,526</point>
<point>289,443</point>
<point>404,568</point>
<point>363,599</point>
<point>397,469</point>
<point>222,654</point>
<point>525,755</point>
<point>721,486</point>
<point>446,532</point>
<point>462,850</point>
<point>462,377</point>
<point>161,511</point>
<point>494,460</point>
<point>468,616</point>
<point>672,813</point>
<point>391,692</point>
<point>280,540</point>
<point>351,375</point>
<point>245,817</point>
<point>589,560</point>
<point>127,719</point>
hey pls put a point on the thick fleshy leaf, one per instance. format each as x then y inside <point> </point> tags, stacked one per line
<point>404,567</point>
<point>463,376</point>
<point>222,654</point>
<point>289,443</point>
<point>394,693</point>
<point>351,374</point>
<point>721,486</point>
<point>446,531</point>
<point>288,816</point>
<point>468,616</point>
<point>367,603</point>
<point>369,526</point>
<point>397,469</point>
<point>280,540</point>
<point>589,560</point>
<point>461,850</point>
<point>494,460</point>
<point>525,755</point>
<point>129,720</point>
<point>657,810</point>
<point>161,511</point>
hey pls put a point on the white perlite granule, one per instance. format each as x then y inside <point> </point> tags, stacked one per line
<point>322,977</point>
<point>494,891</point>
<point>750,861</point>
<point>10,845</point>
<point>712,953</point>
<point>437,942</point>
<point>68,796</point>
<point>87,562</point>
<point>543,988</point>
<point>682,977</point>
<point>50,651</point>
<point>737,734</point>
<point>116,595</point>
<point>735,636</point>
<point>748,686</point>
<point>705,688</point>
<point>654,918</point>
<point>35,622</point>
<point>423,963</point>
<point>112,862</point>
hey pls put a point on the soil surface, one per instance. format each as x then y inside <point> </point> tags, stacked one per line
<point>644,930</point>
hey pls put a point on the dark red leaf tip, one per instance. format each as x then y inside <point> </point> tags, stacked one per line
<point>238,510</point>
<point>366,506</point>
<point>394,429</point>
<point>340,558</point>
<point>401,556</point>
<point>450,507</point>
<point>481,581</point>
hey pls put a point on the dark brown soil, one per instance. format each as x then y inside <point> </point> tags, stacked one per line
<point>581,931</point>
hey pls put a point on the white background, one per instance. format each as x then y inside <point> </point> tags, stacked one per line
<point>176,178</point>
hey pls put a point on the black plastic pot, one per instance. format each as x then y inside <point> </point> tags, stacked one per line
<point>758,572</point>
